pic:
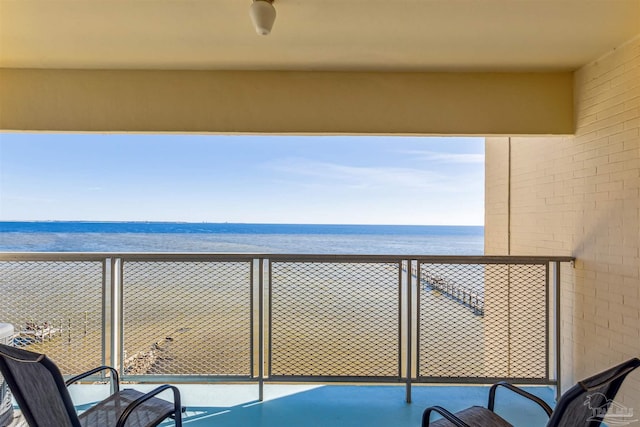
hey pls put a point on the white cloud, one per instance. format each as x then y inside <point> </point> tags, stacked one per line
<point>362,177</point>
<point>434,156</point>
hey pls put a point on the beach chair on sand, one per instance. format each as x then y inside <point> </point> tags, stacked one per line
<point>584,404</point>
<point>42,395</point>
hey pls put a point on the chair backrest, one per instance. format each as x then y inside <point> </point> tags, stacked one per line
<point>586,403</point>
<point>38,387</point>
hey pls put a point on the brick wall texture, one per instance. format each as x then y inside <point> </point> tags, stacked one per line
<point>580,196</point>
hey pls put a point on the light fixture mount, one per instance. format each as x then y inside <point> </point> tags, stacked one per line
<point>263,15</point>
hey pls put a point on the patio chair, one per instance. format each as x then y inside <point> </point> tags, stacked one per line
<point>42,395</point>
<point>584,404</point>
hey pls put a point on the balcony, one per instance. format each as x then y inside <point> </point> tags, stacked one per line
<point>304,336</point>
<point>321,405</point>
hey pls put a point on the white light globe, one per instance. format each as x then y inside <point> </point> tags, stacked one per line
<point>263,14</point>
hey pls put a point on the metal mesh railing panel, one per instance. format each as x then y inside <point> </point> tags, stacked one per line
<point>483,321</point>
<point>334,319</point>
<point>528,322</point>
<point>187,318</point>
<point>56,308</point>
<point>326,317</point>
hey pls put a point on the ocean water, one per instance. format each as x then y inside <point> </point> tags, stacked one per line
<point>54,236</point>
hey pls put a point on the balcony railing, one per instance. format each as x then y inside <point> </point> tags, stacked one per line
<point>247,317</point>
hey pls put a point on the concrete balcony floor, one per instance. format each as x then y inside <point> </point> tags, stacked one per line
<point>316,405</point>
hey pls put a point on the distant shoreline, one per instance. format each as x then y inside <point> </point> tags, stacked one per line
<point>54,221</point>
<point>228,227</point>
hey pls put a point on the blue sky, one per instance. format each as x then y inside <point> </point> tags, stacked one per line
<point>240,178</point>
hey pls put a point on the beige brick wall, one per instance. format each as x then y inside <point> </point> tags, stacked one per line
<point>496,203</point>
<point>580,196</point>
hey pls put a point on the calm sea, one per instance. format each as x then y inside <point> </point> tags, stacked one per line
<point>53,236</point>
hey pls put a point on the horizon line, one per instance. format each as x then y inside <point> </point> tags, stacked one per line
<point>229,222</point>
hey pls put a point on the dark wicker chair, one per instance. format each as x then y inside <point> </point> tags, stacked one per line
<point>42,395</point>
<point>583,405</point>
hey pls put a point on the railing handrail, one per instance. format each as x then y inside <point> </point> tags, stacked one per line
<point>149,256</point>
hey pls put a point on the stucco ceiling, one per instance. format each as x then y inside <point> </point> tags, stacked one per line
<point>402,35</point>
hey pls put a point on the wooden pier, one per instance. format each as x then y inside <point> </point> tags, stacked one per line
<point>458,293</point>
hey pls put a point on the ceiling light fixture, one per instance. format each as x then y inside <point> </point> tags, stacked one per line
<point>262,14</point>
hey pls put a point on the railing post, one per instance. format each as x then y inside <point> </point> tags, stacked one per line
<point>556,286</point>
<point>261,329</point>
<point>116,305</point>
<point>106,294</point>
<point>409,337</point>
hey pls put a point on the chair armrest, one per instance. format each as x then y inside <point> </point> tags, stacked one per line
<point>133,405</point>
<point>115,378</point>
<point>536,399</point>
<point>445,414</point>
